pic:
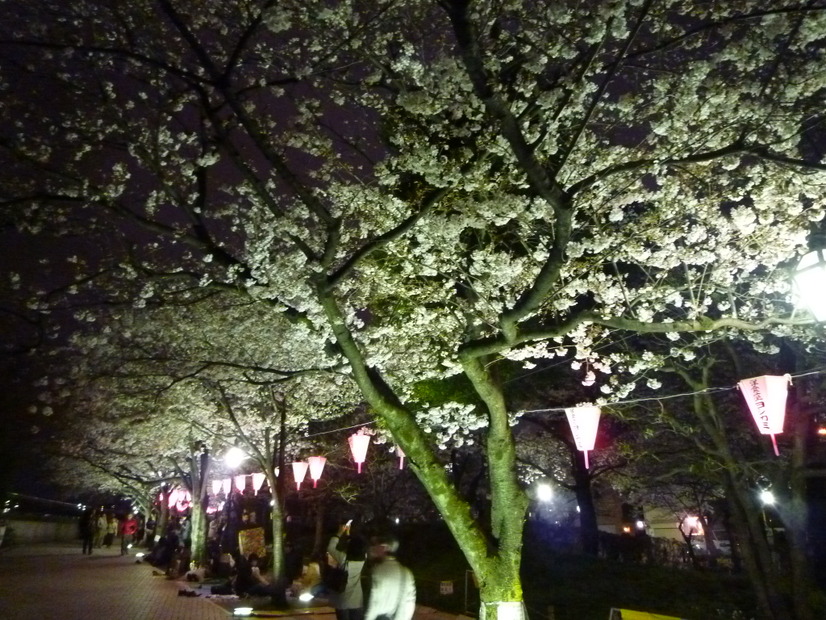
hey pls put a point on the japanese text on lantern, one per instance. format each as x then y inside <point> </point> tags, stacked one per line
<point>759,402</point>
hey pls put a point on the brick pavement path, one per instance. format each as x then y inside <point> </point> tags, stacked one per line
<point>59,583</point>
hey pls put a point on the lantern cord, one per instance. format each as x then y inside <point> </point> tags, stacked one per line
<point>338,430</point>
<point>711,390</point>
<point>630,401</point>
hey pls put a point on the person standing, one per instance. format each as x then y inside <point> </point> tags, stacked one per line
<point>111,530</point>
<point>348,552</point>
<point>100,528</point>
<point>87,529</point>
<point>128,529</point>
<point>393,589</point>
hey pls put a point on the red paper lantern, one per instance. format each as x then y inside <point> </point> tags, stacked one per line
<point>316,464</point>
<point>766,398</point>
<point>401,455</point>
<point>258,481</point>
<point>299,472</point>
<point>584,421</point>
<point>216,487</point>
<point>226,484</point>
<point>359,442</point>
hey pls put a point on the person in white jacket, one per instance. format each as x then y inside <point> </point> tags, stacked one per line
<point>393,589</point>
<point>348,552</point>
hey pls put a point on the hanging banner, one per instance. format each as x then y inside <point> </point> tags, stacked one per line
<point>216,487</point>
<point>252,541</point>
<point>766,398</point>
<point>584,421</point>
<point>226,485</point>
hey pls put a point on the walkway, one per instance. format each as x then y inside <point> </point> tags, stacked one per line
<point>57,582</point>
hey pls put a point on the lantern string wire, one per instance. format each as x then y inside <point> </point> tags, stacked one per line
<point>630,401</point>
<point>338,430</point>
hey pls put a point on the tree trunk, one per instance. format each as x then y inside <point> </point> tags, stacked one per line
<point>495,554</point>
<point>745,520</point>
<point>319,544</point>
<point>588,529</point>
<point>198,531</point>
<point>756,553</point>
<point>277,513</point>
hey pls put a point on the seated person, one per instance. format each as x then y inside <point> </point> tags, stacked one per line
<point>309,581</point>
<point>249,580</point>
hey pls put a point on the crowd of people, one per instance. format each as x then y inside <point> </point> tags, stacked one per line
<point>99,529</point>
<point>338,576</point>
<point>391,592</point>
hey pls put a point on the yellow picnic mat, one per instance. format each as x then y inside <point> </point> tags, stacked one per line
<point>629,614</point>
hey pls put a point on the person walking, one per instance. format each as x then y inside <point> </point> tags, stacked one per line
<point>348,552</point>
<point>128,529</point>
<point>393,589</point>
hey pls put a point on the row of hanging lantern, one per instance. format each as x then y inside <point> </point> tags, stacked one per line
<point>315,465</point>
<point>359,443</point>
<point>240,481</point>
<point>179,499</point>
<point>765,396</point>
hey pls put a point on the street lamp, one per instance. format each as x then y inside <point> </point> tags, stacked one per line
<point>767,499</point>
<point>234,457</point>
<point>808,283</point>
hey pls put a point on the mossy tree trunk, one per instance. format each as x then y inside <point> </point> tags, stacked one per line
<point>200,464</point>
<point>493,550</point>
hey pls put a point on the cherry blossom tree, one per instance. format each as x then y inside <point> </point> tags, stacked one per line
<point>214,380</point>
<point>426,188</point>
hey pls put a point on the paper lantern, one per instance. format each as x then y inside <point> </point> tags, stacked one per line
<point>226,484</point>
<point>316,464</point>
<point>359,442</point>
<point>766,398</point>
<point>180,499</point>
<point>241,482</point>
<point>584,422</point>
<point>258,481</point>
<point>401,455</point>
<point>216,487</point>
<point>299,472</point>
